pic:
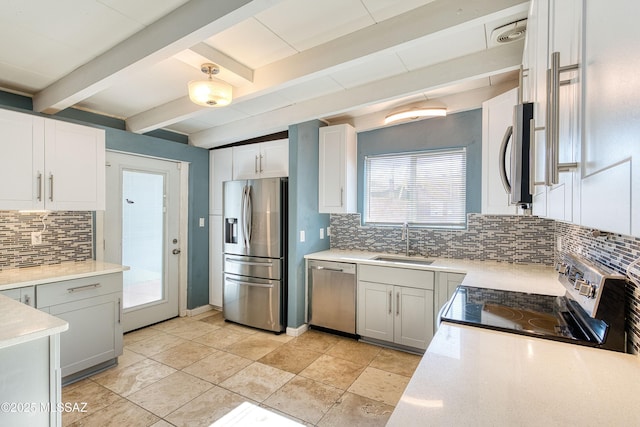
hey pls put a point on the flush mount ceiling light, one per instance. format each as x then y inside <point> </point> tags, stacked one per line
<point>210,92</point>
<point>416,113</point>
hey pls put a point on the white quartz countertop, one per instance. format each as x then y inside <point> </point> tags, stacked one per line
<point>30,276</point>
<point>473,376</point>
<point>527,278</point>
<point>21,323</point>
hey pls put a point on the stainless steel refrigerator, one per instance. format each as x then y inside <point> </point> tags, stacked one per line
<point>255,253</point>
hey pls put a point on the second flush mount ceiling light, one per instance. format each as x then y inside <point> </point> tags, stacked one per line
<point>210,92</point>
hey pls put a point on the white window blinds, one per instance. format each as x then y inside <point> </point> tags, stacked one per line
<point>425,188</point>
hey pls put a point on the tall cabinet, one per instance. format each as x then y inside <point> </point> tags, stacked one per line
<point>337,169</point>
<point>221,170</point>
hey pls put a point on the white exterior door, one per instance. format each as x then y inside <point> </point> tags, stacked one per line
<point>142,231</point>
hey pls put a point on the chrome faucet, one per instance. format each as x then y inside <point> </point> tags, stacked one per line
<point>405,236</point>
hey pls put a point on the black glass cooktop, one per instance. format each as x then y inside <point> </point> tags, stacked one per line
<point>537,315</point>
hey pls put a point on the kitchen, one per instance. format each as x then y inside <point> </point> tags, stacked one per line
<point>580,214</point>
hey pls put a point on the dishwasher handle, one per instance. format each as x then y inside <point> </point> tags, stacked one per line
<point>320,267</point>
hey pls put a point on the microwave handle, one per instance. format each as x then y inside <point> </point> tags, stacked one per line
<point>503,157</point>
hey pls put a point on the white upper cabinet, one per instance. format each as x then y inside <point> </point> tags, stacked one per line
<point>21,161</point>
<point>497,116</point>
<point>75,167</point>
<point>262,160</point>
<point>565,35</point>
<point>50,164</point>
<point>220,170</point>
<point>337,169</point>
<point>610,186</point>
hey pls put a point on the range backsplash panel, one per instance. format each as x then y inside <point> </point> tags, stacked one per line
<point>68,237</point>
<point>614,251</point>
<point>514,239</point>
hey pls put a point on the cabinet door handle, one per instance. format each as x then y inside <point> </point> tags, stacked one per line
<point>255,164</point>
<point>261,156</point>
<point>51,187</point>
<point>341,197</point>
<point>119,310</point>
<point>39,186</point>
<point>27,299</point>
<point>84,288</point>
<point>397,303</point>
<point>390,302</point>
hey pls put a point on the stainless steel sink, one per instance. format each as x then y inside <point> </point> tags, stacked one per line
<point>403,260</point>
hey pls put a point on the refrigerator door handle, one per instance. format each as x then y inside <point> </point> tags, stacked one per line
<point>254,263</point>
<point>249,215</point>
<point>242,215</point>
<point>242,282</point>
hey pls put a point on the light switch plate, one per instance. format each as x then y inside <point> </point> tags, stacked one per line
<point>302,236</point>
<point>201,223</point>
<point>322,233</point>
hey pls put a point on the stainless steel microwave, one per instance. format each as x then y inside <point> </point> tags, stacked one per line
<point>517,137</point>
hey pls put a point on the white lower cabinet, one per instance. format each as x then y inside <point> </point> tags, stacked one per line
<point>93,308</point>
<point>446,284</point>
<point>24,295</point>
<point>395,305</point>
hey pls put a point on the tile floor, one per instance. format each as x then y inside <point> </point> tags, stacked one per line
<point>192,371</point>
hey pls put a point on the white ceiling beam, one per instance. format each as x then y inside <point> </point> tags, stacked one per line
<point>481,64</point>
<point>181,29</point>
<point>431,20</point>
<point>223,60</point>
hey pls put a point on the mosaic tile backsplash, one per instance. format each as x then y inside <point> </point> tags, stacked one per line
<point>514,239</point>
<point>68,237</point>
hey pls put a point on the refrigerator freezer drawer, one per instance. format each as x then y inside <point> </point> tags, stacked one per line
<point>265,268</point>
<point>254,302</point>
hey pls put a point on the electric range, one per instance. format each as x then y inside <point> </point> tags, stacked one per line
<point>591,313</point>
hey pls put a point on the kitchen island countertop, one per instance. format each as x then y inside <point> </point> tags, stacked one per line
<point>21,323</point>
<point>30,276</point>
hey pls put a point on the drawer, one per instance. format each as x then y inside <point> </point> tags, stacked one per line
<point>397,276</point>
<point>77,289</point>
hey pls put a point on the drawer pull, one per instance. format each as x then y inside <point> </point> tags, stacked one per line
<point>84,288</point>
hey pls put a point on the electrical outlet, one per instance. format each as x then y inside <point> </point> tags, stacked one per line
<point>36,238</point>
<point>559,244</point>
<point>328,231</point>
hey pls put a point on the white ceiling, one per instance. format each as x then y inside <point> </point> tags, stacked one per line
<point>288,61</point>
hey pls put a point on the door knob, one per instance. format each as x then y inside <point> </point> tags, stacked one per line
<point>175,251</point>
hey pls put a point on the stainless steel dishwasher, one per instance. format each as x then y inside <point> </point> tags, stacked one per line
<point>332,295</point>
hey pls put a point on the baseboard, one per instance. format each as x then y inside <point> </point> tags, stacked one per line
<point>296,332</point>
<point>198,310</point>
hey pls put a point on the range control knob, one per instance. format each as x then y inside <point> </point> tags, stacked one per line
<point>587,290</point>
<point>563,268</point>
<point>579,283</point>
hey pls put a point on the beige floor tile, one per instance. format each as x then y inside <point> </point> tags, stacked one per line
<point>139,335</point>
<point>156,344</point>
<point>398,362</point>
<point>305,399</point>
<point>380,385</point>
<point>134,377</point>
<point>171,324</point>
<point>221,338</point>
<point>290,358</point>
<point>183,355</point>
<point>191,330</point>
<point>253,347</point>
<point>206,314</point>
<point>240,328</point>
<point>122,413</point>
<point>315,341</point>
<point>354,351</point>
<point>333,371</point>
<point>206,408</point>
<point>281,338</point>
<point>217,367</point>
<point>257,381</point>
<point>216,319</point>
<point>355,411</point>
<point>288,416</point>
<point>129,358</point>
<point>89,396</point>
<point>162,423</point>
<point>170,393</point>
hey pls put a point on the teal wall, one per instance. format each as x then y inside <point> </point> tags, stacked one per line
<point>456,130</point>
<point>119,139</point>
<point>303,212</point>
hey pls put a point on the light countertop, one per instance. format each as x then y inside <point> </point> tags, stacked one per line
<point>21,323</point>
<point>479,377</point>
<point>30,276</point>
<point>527,278</point>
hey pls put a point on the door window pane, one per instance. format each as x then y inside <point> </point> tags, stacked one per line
<point>142,237</point>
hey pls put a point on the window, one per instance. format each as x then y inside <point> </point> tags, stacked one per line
<point>422,188</point>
